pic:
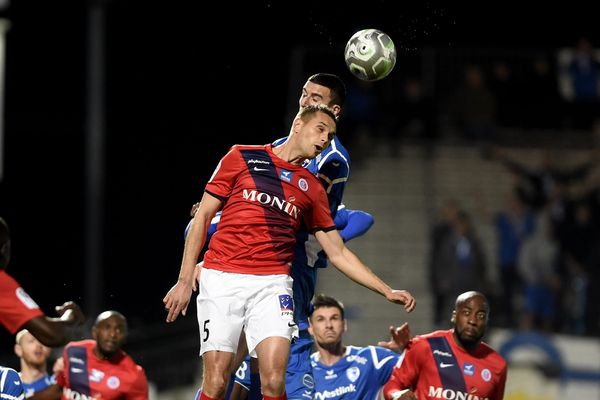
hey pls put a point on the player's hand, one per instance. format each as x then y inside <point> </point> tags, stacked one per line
<point>194,209</point>
<point>399,338</point>
<point>404,395</point>
<point>59,366</point>
<point>402,297</point>
<point>196,277</point>
<point>177,300</point>
<point>70,311</point>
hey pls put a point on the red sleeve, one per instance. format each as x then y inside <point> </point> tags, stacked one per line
<point>61,379</point>
<point>222,180</point>
<point>499,392</point>
<point>16,307</point>
<point>139,388</point>
<point>406,375</point>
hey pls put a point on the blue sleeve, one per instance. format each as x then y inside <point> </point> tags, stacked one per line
<point>11,384</point>
<point>357,223</point>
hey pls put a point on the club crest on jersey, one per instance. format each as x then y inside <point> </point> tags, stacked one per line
<point>469,369</point>
<point>353,374</point>
<point>286,305</point>
<point>113,382</point>
<point>302,184</point>
<point>285,175</point>
<point>486,375</point>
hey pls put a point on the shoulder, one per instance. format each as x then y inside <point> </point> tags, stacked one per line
<point>492,355</point>
<point>421,341</point>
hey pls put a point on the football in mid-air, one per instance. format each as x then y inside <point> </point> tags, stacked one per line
<point>370,54</point>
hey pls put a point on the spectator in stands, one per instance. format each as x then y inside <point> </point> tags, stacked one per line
<point>538,266</point>
<point>473,109</point>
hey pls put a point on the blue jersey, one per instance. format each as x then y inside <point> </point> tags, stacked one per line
<point>359,375</point>
<point>38,385</point>
<point>11,387</point>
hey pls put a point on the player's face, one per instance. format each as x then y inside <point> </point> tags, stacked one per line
<point>33,352</point>
<point>110,335</point>
<point>316,134</point>
<point>327,326</point>
<point>471,320</point>
<point>313,94</point>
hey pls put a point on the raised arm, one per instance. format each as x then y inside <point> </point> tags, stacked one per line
<point>351,266</point>
<point>54,332</point>
<point>177,299</point>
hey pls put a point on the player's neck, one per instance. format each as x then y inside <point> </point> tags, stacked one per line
<point>31,373</point>
<point>330,354</point>
<point>287,153</point>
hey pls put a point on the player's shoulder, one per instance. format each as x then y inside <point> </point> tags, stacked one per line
<point>240,147</point>
<point>9,373</point>
<point>86,343</point>
<point>492,355</point>
<point>423,340</point>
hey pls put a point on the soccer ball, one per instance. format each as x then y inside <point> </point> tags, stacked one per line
<point>370,54</point>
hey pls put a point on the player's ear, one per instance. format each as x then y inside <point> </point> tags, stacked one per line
<point>345,325</point>
<point>453,318</point>
<point>18,350</point>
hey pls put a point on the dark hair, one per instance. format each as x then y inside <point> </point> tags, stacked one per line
<point>322,300</point>
<point>335,85</point>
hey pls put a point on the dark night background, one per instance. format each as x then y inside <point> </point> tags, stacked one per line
<point>184,81</point>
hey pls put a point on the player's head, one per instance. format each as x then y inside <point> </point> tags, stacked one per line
<point>31,352</point>
<point>470,318</point>
<point>327,321</point>
<point>314,128</point>
<point>4,244</point>
<point>110,332</point>
<point>325,89</point>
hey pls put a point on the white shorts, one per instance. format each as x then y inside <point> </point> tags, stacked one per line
<point>261,305</point>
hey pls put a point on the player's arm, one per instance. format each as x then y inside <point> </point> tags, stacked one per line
<point>54,332</point>
<point>52,392</point>
<point>177,299</point>
<point>352,223</point>
<point>351,266</point>
<point>333,174</point>
<point>139,388</point>
<point>399,338</point>
<point>499,390</point>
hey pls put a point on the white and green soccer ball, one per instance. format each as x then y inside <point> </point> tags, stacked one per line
<point>370,55</point>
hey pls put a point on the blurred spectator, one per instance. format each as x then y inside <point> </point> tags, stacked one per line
<point>538,266</point>
<point>457,262</point>
<point>514,225</point>
<point>541,95</point>
<point>580,83</point>
<point>506,90</point>
<point>473,108</point>
<point>537,185</point>
<point>415,114</point>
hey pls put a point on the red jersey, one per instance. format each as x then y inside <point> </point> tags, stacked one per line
<point>267,200</point>
<point>16,307</point>
<point>435,367</point>
<point>88,377</point>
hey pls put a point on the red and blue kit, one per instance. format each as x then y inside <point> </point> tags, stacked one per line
<point>435,367</point>
<point>266,201</point>
<point>16,307</point>
<point>88,377</point>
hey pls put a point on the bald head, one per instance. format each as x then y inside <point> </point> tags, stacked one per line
<point>468,296</point>
<point>108,314</point>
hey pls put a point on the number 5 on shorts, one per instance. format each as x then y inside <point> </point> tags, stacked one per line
<point>206,331</point>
